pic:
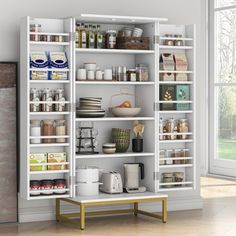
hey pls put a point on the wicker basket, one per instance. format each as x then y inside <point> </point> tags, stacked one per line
<point>139,43</point>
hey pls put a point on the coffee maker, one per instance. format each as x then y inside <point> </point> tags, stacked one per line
<point>133,172</point>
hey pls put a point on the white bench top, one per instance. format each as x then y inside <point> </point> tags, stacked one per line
<point>103,197</point>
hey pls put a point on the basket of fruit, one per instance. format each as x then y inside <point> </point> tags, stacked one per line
<point>125,107</point>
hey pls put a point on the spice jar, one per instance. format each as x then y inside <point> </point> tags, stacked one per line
<point>59,184</point>
<point>182,127</point>
<point>35,131</point>
<point>169,42</point>
<point>178,154</point>
<point>178,42</point>
<point>48,129</point>
<point>131,75</point>
<point>60,130</point>
<point>35,187</point>
<point>171,129</point>
<point>34,97</point>
<point>161,129</point>
<point>35,28</point>
<point>169,156</point>
<point>110,39</point>
<point>185,153</point>
<point>162,155</point>
<point>59,96</point>
<point>47,184</point>
<point>167,178</point>
<point>142,72</point>
<point>47,96</point>
<point>178,177</point>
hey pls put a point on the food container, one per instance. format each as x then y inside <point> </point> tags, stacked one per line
<point>109,148</point>
<point>60,184</point>
<point>178,177</point>
<point>171,129</point>
<point>162,129</point>
<point>168,41</point>
<point>137,32</point>
<point>131,75</point>
<point>47,184</point>
<point>57,157</point>
<point>36,28</point>
<point>48,129</point>
<point>125,112</point>
<point>167,178</point>
<point>178,42</point>
<point>178,154</point>
<point>38,158</point>
<point>133,43</point>
<point>142,72</point>
<point>169,156</point>
<point>110,39</point>
<point>35,131</point>
<point>182,127</point>
<point>162,155</point>
<point>60,130</point>
<point>35,187</point>
<point>87,174</point>
<point>87,189</point>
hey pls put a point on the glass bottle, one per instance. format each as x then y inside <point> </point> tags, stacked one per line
<point>99,38</point>
<point>59,96</point>
<point>83,37</point>
<point>77,41</point>
<point>60,130</point>
<point>47,96</point>
<point>34,97</point>
<point>90,38</point>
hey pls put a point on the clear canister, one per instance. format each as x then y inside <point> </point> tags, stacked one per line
<point>48,129</point>
<point>171,129</point>
<point>60,130</point>
<point>142,72</point>
<point>35,131</point>
<point>182,127</point>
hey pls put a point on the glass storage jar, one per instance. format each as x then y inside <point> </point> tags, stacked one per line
<point>171,129</point>
<point>131,75</point>
<point>35,131</point>
<point>167,178</point>
<point>60,130</point>
<point>182,127</point>
<point>48,129</point>
<point>142,73</point>
<point>110,39</point>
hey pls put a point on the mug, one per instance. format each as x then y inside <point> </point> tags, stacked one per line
<point>99,75</point>
<point>90,75</point>
<point>81,74</point>
<point>108,74</point>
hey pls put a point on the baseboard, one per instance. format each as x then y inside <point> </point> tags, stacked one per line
<point>47,213</point>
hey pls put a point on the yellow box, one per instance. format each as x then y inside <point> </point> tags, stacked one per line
<point>38,158</point>
<point>57,158</point>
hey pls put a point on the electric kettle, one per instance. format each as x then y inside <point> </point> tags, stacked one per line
<point>132,172</point>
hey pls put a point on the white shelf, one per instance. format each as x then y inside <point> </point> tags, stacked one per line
<point>49,113</point>
<point>175,189</point>
<point>175,72</point>
<point>176,141</point>
<point>116,119</point>
<point>113,51</point>
<point>52,136</point>
<point>49,81</point>
<point>49,43</point>
<point>115,155</point>
<point>113,83</point>
<point>176,183</point>
<point>49,145</point>
<point>175,101</point>
<point>49,69</point>
<point>175,38</point>
<point>49,102</point>
<point>49,164</point>
<point>175,158</point>
<point>176,47</point>
<point>175,166</point>
<point>49,172</point>
<point>50,33</point>
<point>175,112</point>
<point>50,190</point>
<point>41,197</point>
<point>176,133</point>
<point>175,82</point>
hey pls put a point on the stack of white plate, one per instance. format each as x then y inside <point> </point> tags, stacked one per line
<point>137,32</point>
<point>90,107</point>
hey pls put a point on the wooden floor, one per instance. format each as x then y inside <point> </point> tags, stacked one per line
<point>218,218</point>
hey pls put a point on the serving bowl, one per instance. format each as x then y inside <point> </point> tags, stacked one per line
<point>124,112</point>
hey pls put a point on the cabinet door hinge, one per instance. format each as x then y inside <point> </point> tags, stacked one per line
<point>155,175</point>
<point>71,180</point>
<point>155,106</point>
<point>156,39</point>
<point>72,36</point>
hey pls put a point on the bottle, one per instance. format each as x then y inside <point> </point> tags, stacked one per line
<point>86,31</point>
<point>34,97</point>
<point>90,38</point>
<point>83,36</point>
<point>99,38</point>
<point>59,96</point>
<point>77,41</point>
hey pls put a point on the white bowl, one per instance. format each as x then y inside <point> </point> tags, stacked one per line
<point>124,112</point>
<point>109,150</point>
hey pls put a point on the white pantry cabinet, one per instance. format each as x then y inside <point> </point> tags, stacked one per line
<point>146,96</point>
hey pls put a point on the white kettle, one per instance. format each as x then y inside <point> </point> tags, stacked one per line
<point>132,172</point>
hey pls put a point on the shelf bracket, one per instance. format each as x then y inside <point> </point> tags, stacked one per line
<point>156,39</point>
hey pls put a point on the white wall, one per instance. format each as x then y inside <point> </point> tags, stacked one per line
<point>178,11</point>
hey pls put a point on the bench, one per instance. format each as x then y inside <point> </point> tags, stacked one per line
<point>111,199</point>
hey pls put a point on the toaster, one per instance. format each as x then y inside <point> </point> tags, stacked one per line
<point>111,182</point>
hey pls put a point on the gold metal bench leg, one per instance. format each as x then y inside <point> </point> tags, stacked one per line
<point>135,208</point>
<point>164,210</point>
<point>82,216</point>
<point>58,209</point>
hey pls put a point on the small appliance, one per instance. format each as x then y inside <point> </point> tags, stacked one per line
<point>132,173</point>
<point>111,182</point>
